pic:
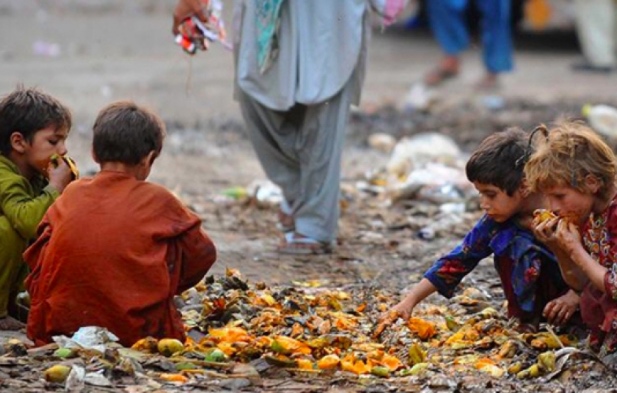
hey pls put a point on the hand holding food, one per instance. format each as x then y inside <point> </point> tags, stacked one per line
<point>544,225</point>
<point>61,170</point>
<point>55,161</point>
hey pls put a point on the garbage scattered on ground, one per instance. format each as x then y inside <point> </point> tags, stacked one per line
<point>428,168</point>
<point>419,98</point>
<point>245,335</point>
<point>493,102</point>
<point>382,142</point>
<point>416,151</point>
<point>602,118</point>
<point>87,337</point>
<point>260,192</point>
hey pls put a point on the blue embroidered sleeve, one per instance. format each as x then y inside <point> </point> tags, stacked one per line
<point>448,271</point>
<point>530,260</point>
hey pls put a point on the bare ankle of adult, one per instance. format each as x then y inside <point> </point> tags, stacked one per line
<point>10,323</point>
<point>489,81</point>
<point>450,63</point>
<point>286,222</point>
<point>448,68</point>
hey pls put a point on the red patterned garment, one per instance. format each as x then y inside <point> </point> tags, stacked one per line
<point>599,309</point>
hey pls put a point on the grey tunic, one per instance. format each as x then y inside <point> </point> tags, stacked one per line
<point>321,43</point>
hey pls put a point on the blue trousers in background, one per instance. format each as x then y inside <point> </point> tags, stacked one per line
<point>447,20</point>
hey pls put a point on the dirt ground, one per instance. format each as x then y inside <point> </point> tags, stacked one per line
<point>93,54</point>
<point>206,151</point>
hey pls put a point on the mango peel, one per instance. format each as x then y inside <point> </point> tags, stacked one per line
<point>169,346</point>
<point>543,215</point>
<point>54,159</point>
<point>57,373</point>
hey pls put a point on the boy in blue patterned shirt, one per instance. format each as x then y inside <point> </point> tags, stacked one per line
<point>530,276</point>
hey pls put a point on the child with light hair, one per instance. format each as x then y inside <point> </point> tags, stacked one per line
<point>528,270</point>
<point>575,169</point>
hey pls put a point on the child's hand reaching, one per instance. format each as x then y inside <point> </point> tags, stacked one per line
<point>59,174</point>
<point>401,310</point>
<point>559,311</point>
<point>404,308</point>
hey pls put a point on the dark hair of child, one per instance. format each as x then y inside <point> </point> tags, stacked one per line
<point>499,160</point>
<point>27,111</point>
<point>125,132</point>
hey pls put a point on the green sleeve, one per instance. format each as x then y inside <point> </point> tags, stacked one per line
<point>23,209</point>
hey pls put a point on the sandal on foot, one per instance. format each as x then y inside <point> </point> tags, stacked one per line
<point>439,75</point>
<point>295,244</point>
<point>286,223</point>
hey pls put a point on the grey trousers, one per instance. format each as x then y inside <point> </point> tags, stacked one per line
<point>300,150</point>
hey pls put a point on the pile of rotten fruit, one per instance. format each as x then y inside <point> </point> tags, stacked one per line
<point>236,329</point>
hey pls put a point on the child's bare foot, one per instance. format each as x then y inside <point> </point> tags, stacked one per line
<point>10,323</point>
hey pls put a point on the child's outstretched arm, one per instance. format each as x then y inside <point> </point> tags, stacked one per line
<point>417,294</point>
<point>405,307</point>
<point>446,273</point>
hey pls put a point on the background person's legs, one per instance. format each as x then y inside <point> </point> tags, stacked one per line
<point>496,30</point>
<point>319,147</point>
<point>273,139</point>
<point>300,150</point>
<point>447,21</point>
<point>596,29</point>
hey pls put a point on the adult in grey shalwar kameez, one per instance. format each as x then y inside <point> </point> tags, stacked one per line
<point>297,110</point>
<point>296,95</point>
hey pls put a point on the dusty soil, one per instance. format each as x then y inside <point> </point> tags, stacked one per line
<point>122,52</point>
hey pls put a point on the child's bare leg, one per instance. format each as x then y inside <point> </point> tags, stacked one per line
<point>10,323</point>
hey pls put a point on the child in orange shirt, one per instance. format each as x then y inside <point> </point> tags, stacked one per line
<point>115,249</point>
<point>575,169</point>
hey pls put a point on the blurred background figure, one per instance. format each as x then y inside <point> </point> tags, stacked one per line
<point>449,25</point>
<point>300,67</point>
<point>596,26</point>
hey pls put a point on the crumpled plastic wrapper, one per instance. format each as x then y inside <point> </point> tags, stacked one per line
<point>88,337</point>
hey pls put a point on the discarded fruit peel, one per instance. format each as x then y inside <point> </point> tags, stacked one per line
<point>261,329</point>
<point>54,160</point>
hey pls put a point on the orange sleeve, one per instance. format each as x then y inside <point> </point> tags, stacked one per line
<point>33,256</point>
<point>198,256</point>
